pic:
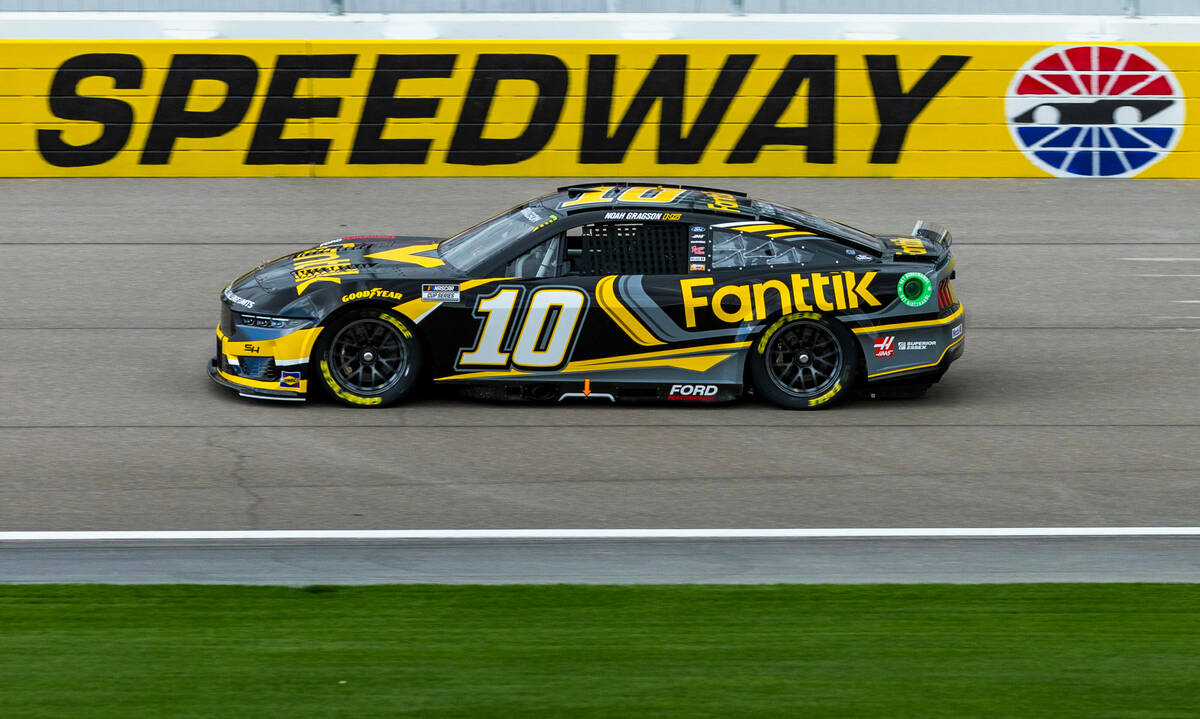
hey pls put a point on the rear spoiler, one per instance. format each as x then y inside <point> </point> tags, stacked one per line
<point>932,231</point>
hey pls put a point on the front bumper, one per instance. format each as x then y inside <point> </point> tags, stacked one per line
<point>264,368</point>
<point>254,388</point>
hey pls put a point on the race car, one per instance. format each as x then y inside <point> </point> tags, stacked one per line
<point>598,293</point>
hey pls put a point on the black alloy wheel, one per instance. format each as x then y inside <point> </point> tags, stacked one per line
<point>803,362</point>
<point>370,358</point>
<point>804,359</point>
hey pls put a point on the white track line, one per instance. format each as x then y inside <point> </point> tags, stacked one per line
<point>551,534</point>
<point>1161,259</point>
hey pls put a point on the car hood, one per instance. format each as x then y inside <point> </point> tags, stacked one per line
<point>349,259</point>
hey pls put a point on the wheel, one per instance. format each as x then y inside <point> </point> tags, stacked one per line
<point>369,358</point>
<point>804,362</point>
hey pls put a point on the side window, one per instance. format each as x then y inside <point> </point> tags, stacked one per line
<point>733,250</point>
<point>541,261</point>
<point>627,248</point>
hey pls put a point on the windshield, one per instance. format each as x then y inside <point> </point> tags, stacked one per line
<point>483,242</point>
<point>821,224</point>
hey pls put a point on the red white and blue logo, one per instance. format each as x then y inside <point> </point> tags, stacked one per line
<point>1095,110</point>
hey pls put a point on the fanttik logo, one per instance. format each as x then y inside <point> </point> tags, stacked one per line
<point>1095,110</point>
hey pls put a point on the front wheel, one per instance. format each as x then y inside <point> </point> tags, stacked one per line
<point>803,361</point>
<point>369,358</point>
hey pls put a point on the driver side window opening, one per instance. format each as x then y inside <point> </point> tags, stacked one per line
<point>541,261</point>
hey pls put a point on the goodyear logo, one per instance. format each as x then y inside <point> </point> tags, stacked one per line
<point>827,292</point>
<point>1095,110</point>
<point>372,293</point>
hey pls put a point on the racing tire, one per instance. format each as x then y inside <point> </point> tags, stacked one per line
<point>803,361</point>
<point>368,358</point>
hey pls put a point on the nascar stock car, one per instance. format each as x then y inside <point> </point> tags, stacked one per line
<point>602,292</point>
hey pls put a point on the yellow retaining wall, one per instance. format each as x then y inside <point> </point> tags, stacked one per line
<point>508,108</point>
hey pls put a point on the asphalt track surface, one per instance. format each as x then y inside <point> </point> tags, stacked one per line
<point>839,561</point>
<point>1076,403</point>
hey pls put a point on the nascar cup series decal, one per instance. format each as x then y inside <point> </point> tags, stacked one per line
<point>1095,110</point>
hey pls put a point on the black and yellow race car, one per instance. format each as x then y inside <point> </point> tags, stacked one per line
<point>602,292</point>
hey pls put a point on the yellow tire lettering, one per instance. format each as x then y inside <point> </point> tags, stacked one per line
<point>350,397</point>
<point>397,324</point>
<point>334,387</point>
<point>762,342</point>
<point>826,397</point>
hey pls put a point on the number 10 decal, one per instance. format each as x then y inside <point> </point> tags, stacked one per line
<point>544,334</point>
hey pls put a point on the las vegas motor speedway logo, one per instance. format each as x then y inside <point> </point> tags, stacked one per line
<point>1095,110</point>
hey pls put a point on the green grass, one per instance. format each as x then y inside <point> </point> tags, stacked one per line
<point>882,651</point>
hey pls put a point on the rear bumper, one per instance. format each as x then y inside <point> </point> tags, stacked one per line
<point>915,350</point>
<point>922,376</point>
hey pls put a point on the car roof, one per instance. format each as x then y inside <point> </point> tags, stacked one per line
<point>708,200</point>
<point>695,198</point>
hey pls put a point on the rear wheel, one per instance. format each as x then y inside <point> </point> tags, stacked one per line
<point>369,358</point>
<point>803,361</point>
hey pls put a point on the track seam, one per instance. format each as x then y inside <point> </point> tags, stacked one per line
<point>571,534</point>
<point>684,425</point>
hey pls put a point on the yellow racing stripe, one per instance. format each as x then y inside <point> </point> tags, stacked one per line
<point>764,228</point>
<point>411,255</point>
<point>416,309</point>
<point>907,325</point>
<point>259,384</point>
<point>695,364</point>
<point>481,375</point>
<point>663,353</point>
<point>677,358</point>
<point>606,297</point>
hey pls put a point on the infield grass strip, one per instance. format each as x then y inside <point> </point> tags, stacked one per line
<point>1045,650</point>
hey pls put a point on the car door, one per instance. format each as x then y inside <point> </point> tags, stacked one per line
<point>525,321</point>
<point>579,296</point>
